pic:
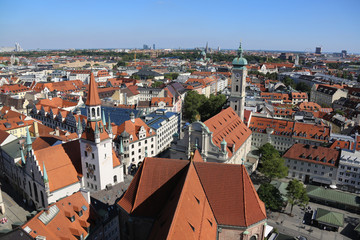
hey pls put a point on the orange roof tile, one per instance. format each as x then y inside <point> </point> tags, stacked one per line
<point>60,227</point>
<point>93,95</point>
<point>313,154</point>
<point>62,164</point>
<point>228,125</point>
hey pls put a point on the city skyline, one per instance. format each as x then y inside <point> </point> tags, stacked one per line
<point>282,26</point>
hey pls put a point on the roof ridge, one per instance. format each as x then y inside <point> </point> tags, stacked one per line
<point>137,185</point>
<point>202,185</point>
<point>260,203</point>
<point>244,198</point>
<point>180,197</point>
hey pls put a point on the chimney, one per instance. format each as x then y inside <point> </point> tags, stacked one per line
<point>36,129</point>
<point>57,132</point>
<point>86,194</point>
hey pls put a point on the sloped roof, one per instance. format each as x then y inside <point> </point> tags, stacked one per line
<point>329,217</point>
<point>93,95</point>
<point>228,125</point>
<point>60,227</point>
<point>62,162</point>
<point>152,182</point>
<point>133,128</point>
<point>193,196</point>
<point>231,194</point>
<point>314,154</point>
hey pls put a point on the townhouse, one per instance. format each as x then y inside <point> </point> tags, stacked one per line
<point>312,164</point>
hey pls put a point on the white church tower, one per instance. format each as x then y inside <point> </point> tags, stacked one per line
<point>98,166</point>
<point>238,84</point>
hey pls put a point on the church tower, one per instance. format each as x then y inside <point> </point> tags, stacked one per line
<point>96,144</point>
<point>238,83</point>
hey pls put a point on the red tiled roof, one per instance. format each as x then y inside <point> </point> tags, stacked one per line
<point>93,95</point>
<point>313,154</point>
<point>228,125</point>
<point>60,227</point>
<point>231,194</point>
<point>61,163</point>
<point>185,198</point>
<point>133,128</point>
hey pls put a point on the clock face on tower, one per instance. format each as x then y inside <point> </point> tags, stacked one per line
<point>88,148</point>
<point>237,75</point>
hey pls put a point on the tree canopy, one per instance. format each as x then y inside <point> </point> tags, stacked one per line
<point>296,194</point>
<point>271,164</point>
<point>271,196</point>
<point>197,104</point>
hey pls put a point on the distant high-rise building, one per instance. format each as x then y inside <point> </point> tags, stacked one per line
<point>154,46</point>
<point>318,50</point>
<point>145,47</point>
<point>344,53</point>
<point>18,48</point>
<point>207,48</point>
<point>297,60</point>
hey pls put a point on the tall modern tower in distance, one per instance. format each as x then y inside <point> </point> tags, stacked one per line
<point>318,50</point>
<point>238,84</point>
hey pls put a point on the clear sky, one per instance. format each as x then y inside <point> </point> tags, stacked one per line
<point>262,24</point>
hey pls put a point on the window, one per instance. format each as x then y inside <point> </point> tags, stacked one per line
<point>93,155</point>
<point>139,150</point>
<point>315,171</point>
<point>93,112</point>
<point>85,152</point>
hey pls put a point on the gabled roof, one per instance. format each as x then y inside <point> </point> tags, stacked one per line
<point>63,164</point>
<point>133,128</point>
<point>93,95</point>
<point>231,194</point>
<point>60,226</point>
<point>188,199</point>
<point>313,154</point>
<point>228,125</point>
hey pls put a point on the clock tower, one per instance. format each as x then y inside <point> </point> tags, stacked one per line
<point>98,166</point>
<point>238,84</point>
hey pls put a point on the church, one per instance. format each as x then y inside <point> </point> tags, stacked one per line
<point>224,138</point>
<point>89,163</point>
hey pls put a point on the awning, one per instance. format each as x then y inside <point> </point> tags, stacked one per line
<point>321,180</point>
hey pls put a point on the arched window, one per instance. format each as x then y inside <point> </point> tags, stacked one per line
<point>98,111</point>
<point>93,112</point>
<point>235,107</point>
<point>253,237</point>
<point>42,199</point>
<point>36,193</point>
<point>236,88</point>
<point>115,179</point>
<point>30,189</point>
<point>89,112</point>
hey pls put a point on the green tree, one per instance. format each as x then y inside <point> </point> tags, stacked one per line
<point>272,165</point>
<point>192,104</point>
<point>271,196</point>
<point>296,194</point>
<point>303,87</point>
<point>196,104</point>
<point>157,84</point>
<point>121,64</point>
<point>288,81</point>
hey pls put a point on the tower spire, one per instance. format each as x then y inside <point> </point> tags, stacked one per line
<point>240,51</point>
<point>79,127</point>
<point>46,180</point>
<point>103,117</point>
<point>109,127</point>
<point>28,140</point>
<point>22,156</point>
<point>93,95</point>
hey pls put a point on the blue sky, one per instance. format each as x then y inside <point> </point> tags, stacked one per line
<point>261,24</point>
